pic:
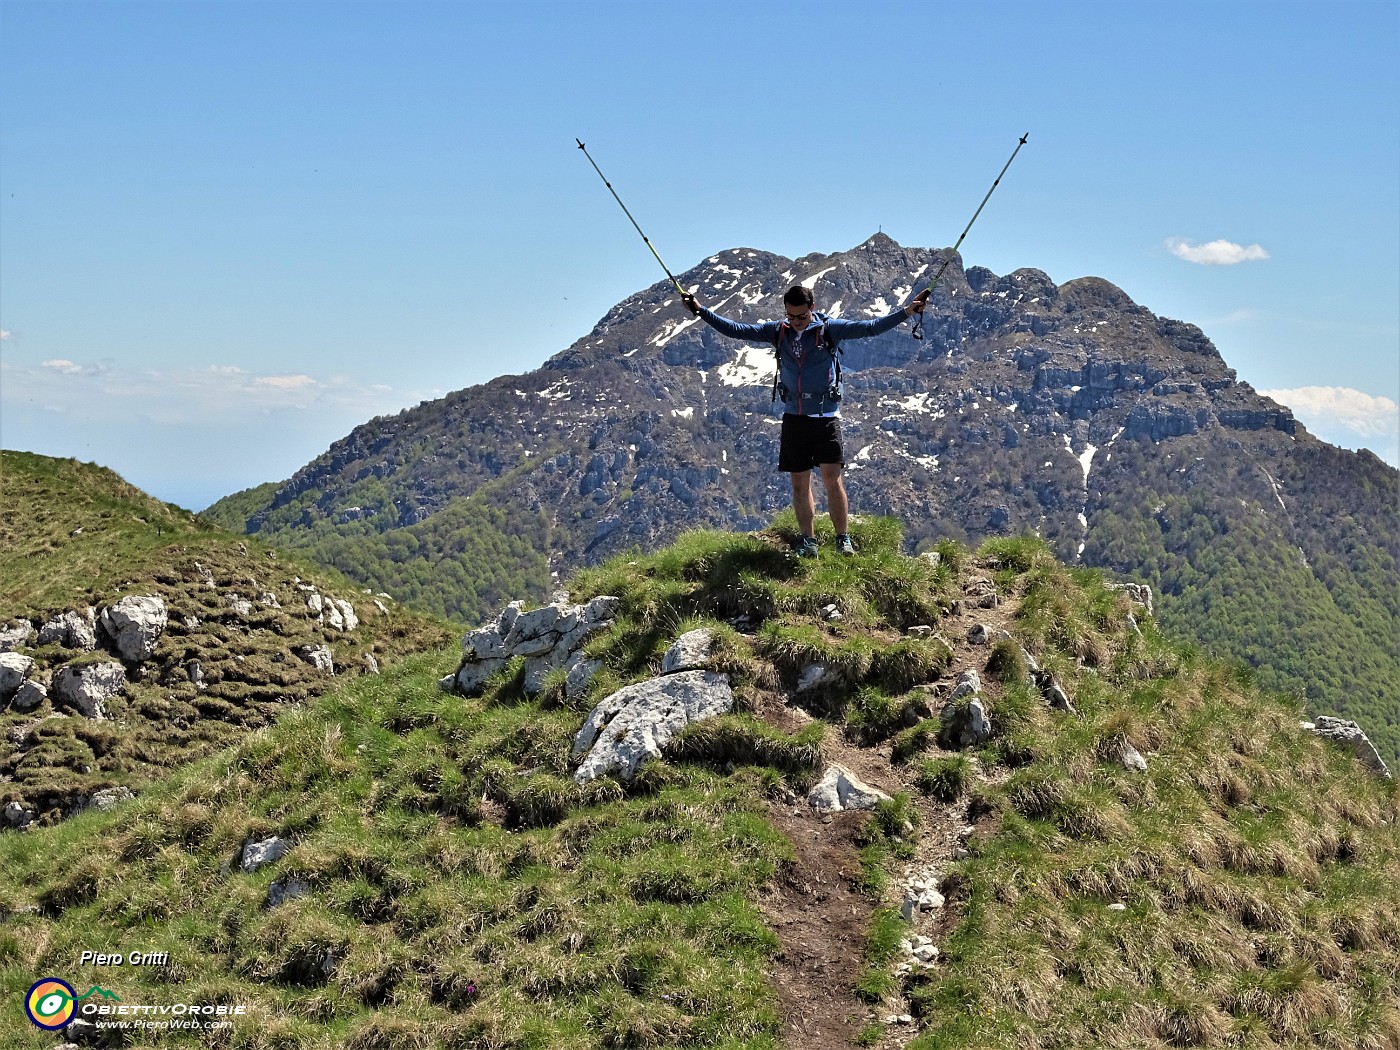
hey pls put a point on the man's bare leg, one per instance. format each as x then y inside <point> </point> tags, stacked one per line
<point>803,505</point>
<point>836,503</point>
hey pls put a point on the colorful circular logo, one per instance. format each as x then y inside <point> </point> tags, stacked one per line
<point>50,1003</point>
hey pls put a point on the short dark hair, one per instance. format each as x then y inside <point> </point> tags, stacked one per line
<point>798,295</point>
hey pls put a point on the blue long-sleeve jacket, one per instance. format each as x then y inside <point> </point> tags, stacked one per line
<point>806,369</point>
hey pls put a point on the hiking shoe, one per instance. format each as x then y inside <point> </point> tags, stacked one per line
<point>844,544</point>
<point>806,547</point>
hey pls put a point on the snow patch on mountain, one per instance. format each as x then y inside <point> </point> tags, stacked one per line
<point>752,366</point>
<point>921,403</point>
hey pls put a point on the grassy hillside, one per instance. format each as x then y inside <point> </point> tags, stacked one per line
<point>75,536</point>
<point>69,531</point>
<point>450,886</point>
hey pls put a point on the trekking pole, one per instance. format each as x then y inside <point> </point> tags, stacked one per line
<point>629,215</point>
<point>918,332</point>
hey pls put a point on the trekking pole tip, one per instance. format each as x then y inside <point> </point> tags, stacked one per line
<point>1023,138</point>
<point>580,142</point>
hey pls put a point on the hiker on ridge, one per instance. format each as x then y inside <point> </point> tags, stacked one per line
<point>809,382</point>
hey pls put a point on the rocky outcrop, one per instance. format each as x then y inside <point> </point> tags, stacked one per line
<point>170,644</point>
<point>1350,736</point>
<point>1160,421</point>
<point>548,638</point>
<point>16,635</point>
<point>964,721</point>
<point>72,629</point>
<point>1139,594</point>
<point>636,722</point>
<point>335,613</point>
<point>88,687</point>
<point>14,669</point>
<point>109,798</point>
<point>135,625</point>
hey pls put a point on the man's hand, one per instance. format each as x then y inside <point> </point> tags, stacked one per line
<point>917,304</point>
<point>690,303</point>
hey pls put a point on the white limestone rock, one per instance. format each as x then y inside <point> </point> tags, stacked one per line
<point>548,637</point>
<point>636,722</point>
<point>841,789</point>
<point>1131,757</point>
<point>17,635</point>
<point>1354,739</point>
<point>109,798</point>
<point>89,687</point>
<point>964,724</point>
<point>262,853</point>
<point>72,630</point>
<point>581,672</point>
<point>969,682</point>
<point>690,652</point>
<point>331,614</point>
<point>14,669</point>
<point>135,625</point>
<point>318,656</point>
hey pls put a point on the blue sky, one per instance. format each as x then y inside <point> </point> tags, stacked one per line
<point>230,232</point>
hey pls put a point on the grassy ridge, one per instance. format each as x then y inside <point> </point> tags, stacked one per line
<point>1235,894</point>
<point>70,531</point>
<point>462,891</point>
<point>74,536</point>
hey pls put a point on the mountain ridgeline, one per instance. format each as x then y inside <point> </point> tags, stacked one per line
<point>1120,437</point>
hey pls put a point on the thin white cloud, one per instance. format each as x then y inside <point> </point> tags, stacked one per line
<point>1245,315</point>
<point>65,367</point>
<point>1346,417</point>
<point>224,394</point>
<point>284,382</point>
<point>1215,253</point>
<point>5,333</point>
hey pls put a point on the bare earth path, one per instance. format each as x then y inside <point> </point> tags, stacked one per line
<point>816,907</point>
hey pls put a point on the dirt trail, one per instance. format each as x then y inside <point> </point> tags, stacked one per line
<point>817,910</point>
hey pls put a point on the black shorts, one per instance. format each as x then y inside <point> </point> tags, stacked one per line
<point>809,441</point>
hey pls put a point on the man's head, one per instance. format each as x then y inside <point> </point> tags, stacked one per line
<point>797,303</point>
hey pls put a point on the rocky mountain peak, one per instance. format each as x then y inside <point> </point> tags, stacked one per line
<point>1067,410</point>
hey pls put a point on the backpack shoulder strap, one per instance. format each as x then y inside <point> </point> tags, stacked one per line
<point>824,340</point>
<point>833,348</point>
<point>777,356</point>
